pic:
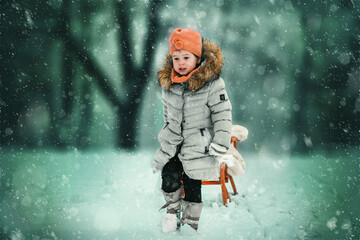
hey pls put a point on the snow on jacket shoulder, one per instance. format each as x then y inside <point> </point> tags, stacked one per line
<point>197,117</point>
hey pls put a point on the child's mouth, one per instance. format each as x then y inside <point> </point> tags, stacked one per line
<point>182,69</point>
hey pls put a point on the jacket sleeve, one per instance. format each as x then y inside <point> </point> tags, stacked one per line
<point>165,110</point>
<point>220,113</point>
<point>168,138</point>
<point>161,156</point>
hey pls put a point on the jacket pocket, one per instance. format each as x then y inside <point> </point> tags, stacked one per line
<point>205,138</point>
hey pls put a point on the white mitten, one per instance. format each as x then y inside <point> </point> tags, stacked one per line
<point>228,159</point>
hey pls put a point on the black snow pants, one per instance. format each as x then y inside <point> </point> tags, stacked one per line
<point>172,174</point>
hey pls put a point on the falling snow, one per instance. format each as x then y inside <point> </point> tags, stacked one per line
<point>291,69</point>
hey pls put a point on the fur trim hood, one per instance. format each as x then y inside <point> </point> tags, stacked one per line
<point>210,68</point>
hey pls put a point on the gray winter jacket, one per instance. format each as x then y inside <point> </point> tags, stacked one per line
<point>197,117</point>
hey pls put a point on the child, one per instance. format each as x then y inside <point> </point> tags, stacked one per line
<point>197,124</point>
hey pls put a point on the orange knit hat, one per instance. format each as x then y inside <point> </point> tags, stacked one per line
<point>185,39</point>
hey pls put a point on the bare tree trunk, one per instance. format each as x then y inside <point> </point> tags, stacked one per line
<point>128,124</point>
<point>54,133</point>
<point>9,106</point>
<point>67,86</point>
<point>86,114</point>
<point>136,77</point>
<point>300,117</point>
<point>67,77</point>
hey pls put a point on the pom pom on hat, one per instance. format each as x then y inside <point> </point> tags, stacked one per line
<point>185,39</point>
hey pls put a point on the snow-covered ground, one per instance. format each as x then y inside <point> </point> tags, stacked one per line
<point>112,195</point>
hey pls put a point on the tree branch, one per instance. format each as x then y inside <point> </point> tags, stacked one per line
<point>92,68</point>
<point>62,30</point>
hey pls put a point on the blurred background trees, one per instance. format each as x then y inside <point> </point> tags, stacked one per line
<point>83,73</point>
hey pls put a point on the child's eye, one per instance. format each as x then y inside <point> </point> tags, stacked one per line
<point>186,58</point>
<point>175,59</point>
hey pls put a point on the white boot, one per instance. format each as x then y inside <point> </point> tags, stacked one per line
<point>191,213</point>
<point>170,223</point>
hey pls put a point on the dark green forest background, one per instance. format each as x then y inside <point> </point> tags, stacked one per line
<point>82,74</point>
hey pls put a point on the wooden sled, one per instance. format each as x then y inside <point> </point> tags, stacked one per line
<point>223,179</point>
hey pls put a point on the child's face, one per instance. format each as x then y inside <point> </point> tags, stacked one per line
<point>184,61</point>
